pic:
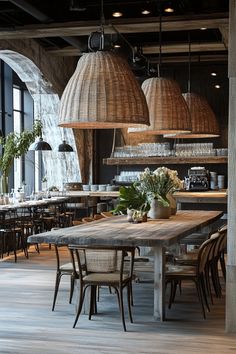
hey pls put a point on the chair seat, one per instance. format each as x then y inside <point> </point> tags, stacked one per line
<point>187,259</point>
<point>104,278</point>
<point>180,270</point>
<point>67,267</point>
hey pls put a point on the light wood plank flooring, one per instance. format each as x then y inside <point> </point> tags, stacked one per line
<point>27,324</point>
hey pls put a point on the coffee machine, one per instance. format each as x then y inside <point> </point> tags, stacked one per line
<point>197,180</point>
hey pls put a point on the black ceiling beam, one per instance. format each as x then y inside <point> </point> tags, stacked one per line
<point>32,10</point>
<point>43,18</point>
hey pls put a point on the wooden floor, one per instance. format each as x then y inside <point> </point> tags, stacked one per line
<point>27,324</point>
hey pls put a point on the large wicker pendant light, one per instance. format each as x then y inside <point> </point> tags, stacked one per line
<point>168,111</point>
<point>102,93</point>
<point>203,120</point>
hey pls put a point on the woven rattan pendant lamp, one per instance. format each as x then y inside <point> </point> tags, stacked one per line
<point>203,120</point>
<point>102,93</point>
<point>168,111</point>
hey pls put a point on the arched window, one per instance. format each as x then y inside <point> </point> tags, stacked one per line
<point>17,114</point>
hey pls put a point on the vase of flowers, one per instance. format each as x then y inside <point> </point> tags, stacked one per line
<point>157,186</point>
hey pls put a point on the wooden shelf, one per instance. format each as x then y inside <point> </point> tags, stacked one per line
<point>165,160</point>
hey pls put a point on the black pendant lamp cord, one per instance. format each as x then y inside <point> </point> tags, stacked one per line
<point>99,33</point>
<point>160,40</point>
<point>189,63</point>
<point>102,19</point>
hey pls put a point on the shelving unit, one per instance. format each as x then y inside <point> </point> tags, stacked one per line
<point>165,160</point>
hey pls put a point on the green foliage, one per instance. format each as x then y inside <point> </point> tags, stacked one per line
<point>15,145</point>
<point>132,198</point>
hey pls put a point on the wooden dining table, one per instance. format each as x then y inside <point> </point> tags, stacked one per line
<point>154,233</point>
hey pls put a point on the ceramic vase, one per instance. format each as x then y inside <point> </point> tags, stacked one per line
<point>158,211</point>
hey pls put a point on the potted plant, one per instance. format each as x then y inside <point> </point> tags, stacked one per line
<point>15,145</point>
<point>133,202</point>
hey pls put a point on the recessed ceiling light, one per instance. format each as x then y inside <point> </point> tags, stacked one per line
<point>116,45</point>
<point>203,28</point>
<point>145,12</point>
<point>213,74</point>
<point>169,9</point>
<point>117,14</point>
<point>217,86</point>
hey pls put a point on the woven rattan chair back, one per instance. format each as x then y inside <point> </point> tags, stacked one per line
<point>103,266</point>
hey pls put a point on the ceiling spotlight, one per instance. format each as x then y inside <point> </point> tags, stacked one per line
<point>203,28</point>
<point>145,12</point>
<point>213,74</point>
<point>117,46</point>
<point>169,9</point>
<point>117,14</point>
<point>217,86</point>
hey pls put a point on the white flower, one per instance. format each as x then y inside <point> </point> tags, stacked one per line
<point>159,183</point>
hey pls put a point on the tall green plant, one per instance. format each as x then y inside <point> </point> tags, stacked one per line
<point>17,144</point>
<point>132,197</point>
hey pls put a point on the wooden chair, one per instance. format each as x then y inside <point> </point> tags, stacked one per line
<point>12,237</point>
<point>107,214</point>
<point>196,273</point>
<point>77,222</point>
<point>103,266</point>
<point>223,246</point>
<point>87,219</point>
<point>63,269</point>
<point>98,216</point>
<point>216,257</point>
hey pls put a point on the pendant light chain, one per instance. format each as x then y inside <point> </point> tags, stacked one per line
<point>168,111</point>
<point>102,19</point>
<point>203,120</point>
<point>160,41</point>
<point>189,63</point>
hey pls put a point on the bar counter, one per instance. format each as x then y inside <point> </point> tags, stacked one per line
<point>181,197</point>
<point>201,197</point>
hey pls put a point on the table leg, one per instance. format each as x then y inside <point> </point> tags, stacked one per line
<point>159,283</point>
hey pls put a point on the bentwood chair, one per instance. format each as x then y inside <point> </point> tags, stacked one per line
<point>87,219</point>
<point>196,273</point>
<point>12,237</point>
<point>107,214</point>
<point>103,266</point>
<point>63,269</point>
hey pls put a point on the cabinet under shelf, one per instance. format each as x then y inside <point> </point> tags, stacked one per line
<point>165,160</point>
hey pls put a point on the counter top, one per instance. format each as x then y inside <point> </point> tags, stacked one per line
<point>92,194</point>
<point>201,197</point>
<point>207,197</point>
